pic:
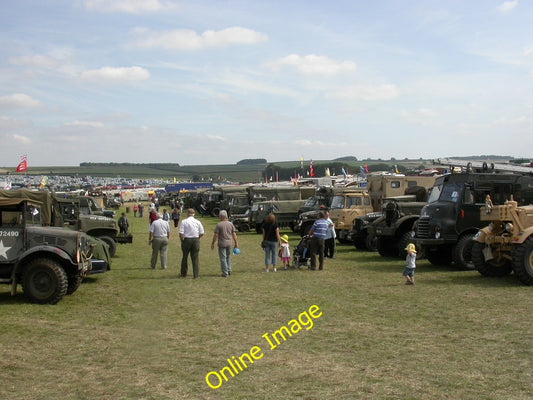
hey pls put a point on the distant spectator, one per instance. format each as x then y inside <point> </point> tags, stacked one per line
<point>175,217</point>
<point>123,223</point>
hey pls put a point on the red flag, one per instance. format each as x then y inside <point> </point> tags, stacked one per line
<point>311,171</point>
<point>366,168</point>
<point>23,164</point>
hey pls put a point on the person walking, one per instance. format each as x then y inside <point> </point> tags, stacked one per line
<point>318,234</point>
<point>329,242</point>
<point>175,217</point>
<point>158,236</point>
<point>271,240</point>
<point>224,233</point>
<point>190,231</point>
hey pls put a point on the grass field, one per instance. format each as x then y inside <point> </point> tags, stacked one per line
<point>137,333</point>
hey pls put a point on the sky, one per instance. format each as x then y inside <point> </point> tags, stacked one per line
<point>217,81</point>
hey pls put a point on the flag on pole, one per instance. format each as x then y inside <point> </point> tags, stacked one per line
<point>327,172</point>
<point>23,164</point>
<point>311,170</point>
<point>343,173</point>
<point>366,168</point>
<point>301,162</point>
<point>43,182</point>
<point>396,169</point>
<point>363,172</point>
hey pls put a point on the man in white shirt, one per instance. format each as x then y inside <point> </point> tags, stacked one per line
<point>190,231</point>
<point>158,236</point>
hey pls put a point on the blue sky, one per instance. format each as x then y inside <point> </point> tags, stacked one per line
<point>214,82</point>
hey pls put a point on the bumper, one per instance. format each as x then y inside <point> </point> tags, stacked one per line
<point>121,238</point>
<point>433,242</point>
<point>98,267</point>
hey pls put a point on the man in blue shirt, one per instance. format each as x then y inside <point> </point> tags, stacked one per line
<point>318,234</point>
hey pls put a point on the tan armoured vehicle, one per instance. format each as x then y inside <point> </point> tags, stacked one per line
<point>506,244</point>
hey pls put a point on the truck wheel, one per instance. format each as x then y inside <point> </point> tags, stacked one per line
<point>215,211</point>
<point>495,267</point>
<point>111,243</point>
<point>439,256</point>
<point>244,227</point>
<point>462,252</point>
<point>359,243</point>
<point>44,281</point>
<point>371,243</point>
<point>405,239</point>
<point>74,282</point>
<point>386,247</point>
<point>523,261</point>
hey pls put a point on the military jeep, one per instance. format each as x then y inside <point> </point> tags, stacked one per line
<point>49,262</point>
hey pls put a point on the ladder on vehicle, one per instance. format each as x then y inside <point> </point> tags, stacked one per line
<point>483,166</point>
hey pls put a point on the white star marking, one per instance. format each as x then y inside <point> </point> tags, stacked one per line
<point>3,250</point>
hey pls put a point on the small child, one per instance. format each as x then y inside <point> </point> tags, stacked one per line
<point>284,251</point>
<point>410,260</point>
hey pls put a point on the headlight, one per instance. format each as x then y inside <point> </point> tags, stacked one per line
<point>508,227</point>
<point>437,235</point>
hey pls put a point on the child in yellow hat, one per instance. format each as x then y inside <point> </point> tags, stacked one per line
<point>410,264</point>
<point>284,251</point>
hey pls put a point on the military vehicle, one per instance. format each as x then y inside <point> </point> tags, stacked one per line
<point>49,262</point>
<point>450,219</point>
<point>308,213</point>
<point>347,204</point>
<point>284,210</point>
<point>396,202</point>
<point>506,244</point>
<point>69,212</point>
<point>393,231</point>
<point>215,199</point>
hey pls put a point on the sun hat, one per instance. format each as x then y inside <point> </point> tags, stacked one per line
<point>411,247</point>
<point>285,238</point>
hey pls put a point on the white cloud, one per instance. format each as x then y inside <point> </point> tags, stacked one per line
<point>186,39</point>
<point>88,124</point>
<point>22,139</point>
<point>129,6</point>
<point>313,65</point>
<point>507,6</point>
<point>122,74</point>
<point>19,100</point>
<point>367,93</point>
<point>35,60</point>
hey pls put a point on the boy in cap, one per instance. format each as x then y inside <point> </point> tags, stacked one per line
<point>410,264</point>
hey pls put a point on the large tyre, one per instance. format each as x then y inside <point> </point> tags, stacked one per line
<point>523,261</point>
<point>111,243</point>
<point>495,267</point>
<point>359,243</point>
<point>386,247</point>
<point>215,211</point>
<point>371,242</point>
<point>44,281</point>
<point>405,239</point>
<point>440,256</point>
<point>462,252</point>
<point>244,227</point>
<point>74,282</point>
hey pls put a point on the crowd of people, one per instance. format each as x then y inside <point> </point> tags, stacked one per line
<point>320,243</point>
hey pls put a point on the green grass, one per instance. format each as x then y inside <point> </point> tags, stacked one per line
<point>137,333</point>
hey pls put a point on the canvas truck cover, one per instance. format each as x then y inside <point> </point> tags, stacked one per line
<point>44,198</point>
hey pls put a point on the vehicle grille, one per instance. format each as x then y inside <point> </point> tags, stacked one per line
<point>422,227</point>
